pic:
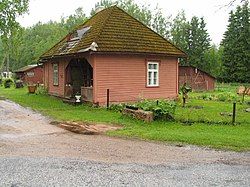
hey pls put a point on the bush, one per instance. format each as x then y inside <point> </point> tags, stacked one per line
<point>222,97</point>
<point>19,83</point>
<point>41,90</point>
<point>117,107</point>
<point>162,109</point>
<point>207,96</point>
<point>7,83</point>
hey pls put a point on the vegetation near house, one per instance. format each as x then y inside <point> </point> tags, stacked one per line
<point>199,123</point>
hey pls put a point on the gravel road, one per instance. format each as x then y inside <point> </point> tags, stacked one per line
<point>35,153</point>
<point>69,172</point>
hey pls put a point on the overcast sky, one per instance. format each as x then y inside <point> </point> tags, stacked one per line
<point>215,16</point>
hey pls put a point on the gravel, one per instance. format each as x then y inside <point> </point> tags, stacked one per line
<point>21,171</point>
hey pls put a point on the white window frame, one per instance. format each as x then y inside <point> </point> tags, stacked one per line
<point>150,83</point>
<point>55,74</point>
<point>31,74</point>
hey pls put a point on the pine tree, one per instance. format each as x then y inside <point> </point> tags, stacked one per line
<point>193,38</point>
<point>213,61</point>
<point>180,33</point>
<point>199,42</point>
<point>236,43</point>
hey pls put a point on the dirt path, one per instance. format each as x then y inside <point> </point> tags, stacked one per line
<point>24,132</point>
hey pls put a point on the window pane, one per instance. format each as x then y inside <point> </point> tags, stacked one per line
<point>155,75</point>
<point>55,74</point>
<point>150,66</point>
<point>149,78</point>
<point>155,78</point>
<point>155,66</point>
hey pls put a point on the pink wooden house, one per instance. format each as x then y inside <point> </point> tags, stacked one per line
<point>114,51</point>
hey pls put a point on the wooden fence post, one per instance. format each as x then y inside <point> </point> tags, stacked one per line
<point>107,98</point>
<point>234,112</point>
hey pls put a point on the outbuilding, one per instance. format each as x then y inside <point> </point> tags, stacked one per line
<point>31,74</point>
<point>112,51</point>
<point>196,78</point>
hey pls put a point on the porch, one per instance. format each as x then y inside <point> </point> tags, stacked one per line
<point>79,80</point>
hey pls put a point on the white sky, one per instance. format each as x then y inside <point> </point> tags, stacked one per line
<point>215,16</point>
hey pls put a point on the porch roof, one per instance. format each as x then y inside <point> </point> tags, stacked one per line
<point>113,30</point>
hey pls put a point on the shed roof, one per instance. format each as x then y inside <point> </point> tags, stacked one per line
<point>26,68</point>
<point>193,67</point>
<point>113,30</point>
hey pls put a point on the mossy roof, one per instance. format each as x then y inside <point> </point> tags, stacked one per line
<point>113,30</point>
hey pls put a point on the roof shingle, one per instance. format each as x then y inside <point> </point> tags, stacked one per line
<point>113,30</point>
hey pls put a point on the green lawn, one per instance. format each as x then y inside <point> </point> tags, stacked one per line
<point>205,129</point>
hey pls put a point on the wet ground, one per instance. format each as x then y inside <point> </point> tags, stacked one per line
<point>36,153</point>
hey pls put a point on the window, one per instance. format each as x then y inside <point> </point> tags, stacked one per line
<point>153,74</point>
<point>55,74</point>
<point>30,74</point>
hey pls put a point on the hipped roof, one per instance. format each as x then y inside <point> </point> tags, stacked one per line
<point>113,30</point>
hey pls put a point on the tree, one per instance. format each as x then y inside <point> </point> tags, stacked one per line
<point>74,20</point>
<point>28,44</point>
<point>199,42</point>
<point>193,38</point>
<point>180,31</point>
<point>213,60</point>
<point>236,44</point>
<point>9,11</point>
<point>160,24</point>
<point>233,2</point>
<point>143,13</point>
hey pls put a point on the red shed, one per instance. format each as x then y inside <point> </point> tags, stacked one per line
<point>196,78</point>
<point>31,74</point>
<point>114,51</point>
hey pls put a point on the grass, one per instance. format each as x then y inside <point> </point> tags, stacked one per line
<point>203,131</point>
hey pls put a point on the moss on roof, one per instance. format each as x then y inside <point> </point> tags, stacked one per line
<point>116,31</point>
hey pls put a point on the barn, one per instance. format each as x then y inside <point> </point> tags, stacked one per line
<point>30,74</point>
<point>196,78</point>
<point>112,51</point>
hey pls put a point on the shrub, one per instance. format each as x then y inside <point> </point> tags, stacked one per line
<point>42,91</point>
<point>117,107</point>
<point>7,83</point>
<point>19,84</point>
<point>222,97</point>
<point>206,96</point>
<point>162,109</point>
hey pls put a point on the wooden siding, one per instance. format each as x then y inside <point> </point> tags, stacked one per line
<point>198,80</point>
<point>48,78</point>
<point>37,78</point>
<point>126,77</point>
